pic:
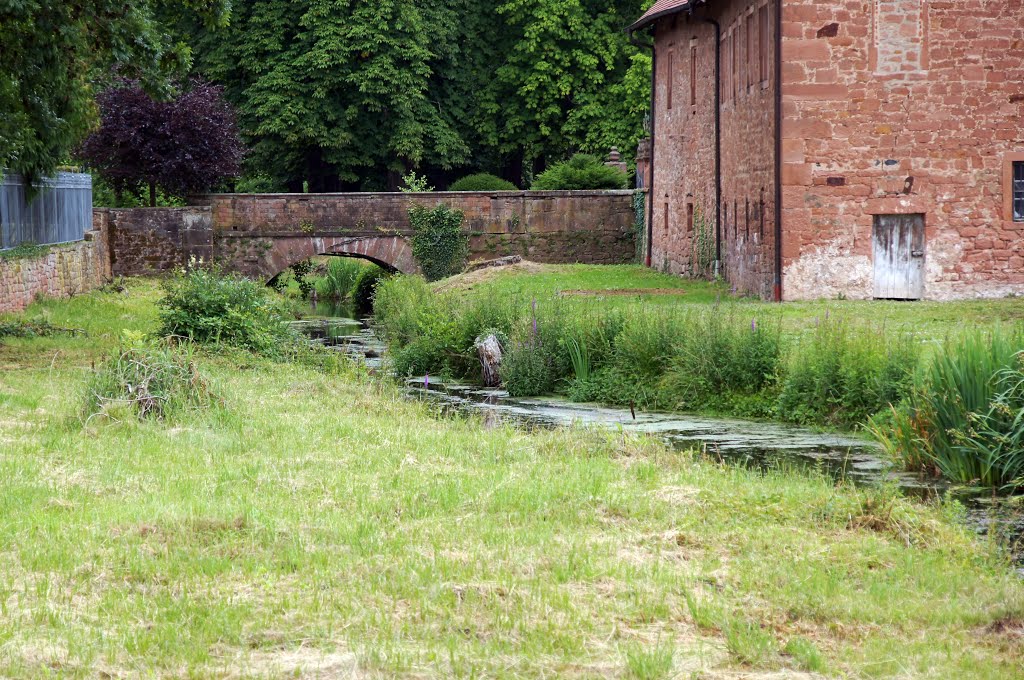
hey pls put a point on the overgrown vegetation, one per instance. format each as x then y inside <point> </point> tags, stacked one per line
<point>205,305</point>
<point>582,171</point>
<point>207,543</point>
<point>24,251</point>
<point>438,242</point>
<point>714,359</point>
<point>339,278</point>
<point>964,416</point>
<point>482,181</point>
<point>364,288</point>
<point>148,380</point>
<point>32,328</point>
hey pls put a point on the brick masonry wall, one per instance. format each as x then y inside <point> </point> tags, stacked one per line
<point>551,226</point>
<point>150,240</point>
<point>748,145</point>
<point>685,144</point>
<point>684,141</point>
<point>63,271</point>
<point>901,106</point>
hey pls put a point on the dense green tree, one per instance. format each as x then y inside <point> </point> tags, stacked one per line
<point>567,80</point>
<point>55,55</point>
<point>346,94</point>
<point>329,89</point>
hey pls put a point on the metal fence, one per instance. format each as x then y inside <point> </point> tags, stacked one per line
<point>61,212</point>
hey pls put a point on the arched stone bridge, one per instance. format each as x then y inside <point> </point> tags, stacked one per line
<point>261,235</point>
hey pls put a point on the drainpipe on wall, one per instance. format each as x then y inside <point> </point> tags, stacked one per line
<point>778,151</point>
<point>718,136</point>
<point>654,118</point>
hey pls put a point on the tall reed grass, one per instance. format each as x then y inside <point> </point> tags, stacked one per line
<point>715,359</point>
<point>339,278</point>
<point>964,416</point>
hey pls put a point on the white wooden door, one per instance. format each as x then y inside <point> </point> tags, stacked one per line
<point>899,256</point>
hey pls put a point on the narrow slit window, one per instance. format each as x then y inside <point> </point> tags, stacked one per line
<point>735,65</point>
<point>750,50</point>
<point>760,214</point>
<point>1018,191</point>
<point>671,77</point>
<point>689,218</point>
<point>693,76</point>
<point>666,217</point>
<point>762,41</point>
<point>746,225</point>
<point>725,219</point>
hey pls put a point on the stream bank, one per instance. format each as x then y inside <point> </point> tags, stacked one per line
<point>761,445</point>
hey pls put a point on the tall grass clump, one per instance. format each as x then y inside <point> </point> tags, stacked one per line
<point>638,348</point>
<point>339,278</point>
<point>841,374</point>
<point>536,360</point>
<point>428,332</point>
<point>964,417</point>
<point>148,381</point>
<point>726,364</point>
<point>206,306</point>
<point>364,289</point>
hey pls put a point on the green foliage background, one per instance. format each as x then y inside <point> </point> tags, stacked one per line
<point>351,95</point>
<point>57,54</point>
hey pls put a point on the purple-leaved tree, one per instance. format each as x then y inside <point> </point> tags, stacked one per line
<point>185,145</point>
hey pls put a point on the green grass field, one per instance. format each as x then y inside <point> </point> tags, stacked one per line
<point>934,319</point>
<point>324,526</point>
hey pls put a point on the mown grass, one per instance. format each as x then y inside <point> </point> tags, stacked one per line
<point>930,320</point>
<point>320,524</point>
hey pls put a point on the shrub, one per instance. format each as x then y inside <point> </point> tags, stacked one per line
<point>340,276</point>
<point>148,381</point>
<point>438,243</point>
<point>365,287</point>
<point>303,273</point>
<point>206,306</point>
<point>723,362</point>
<point>482,181</point>
<point>841,375</point>
<point>582,171</point>
<point>536,359</point>
<point>965,414</point>
<point>429,333</point>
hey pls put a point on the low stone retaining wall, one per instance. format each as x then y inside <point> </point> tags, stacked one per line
<point>145,241</point>
<point>62,271</point>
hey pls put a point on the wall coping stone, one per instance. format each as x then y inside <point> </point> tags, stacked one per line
<point>423,194</point>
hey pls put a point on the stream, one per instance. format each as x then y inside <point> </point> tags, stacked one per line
<point>763,445</point>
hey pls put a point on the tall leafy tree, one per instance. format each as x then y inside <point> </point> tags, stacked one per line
<point>345,94</point>
<point>329,89</point>
<point>54,54</point>
<point>559,87</point>
<point>185,145</point>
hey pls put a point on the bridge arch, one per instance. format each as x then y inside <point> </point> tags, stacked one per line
<point>393,253</point>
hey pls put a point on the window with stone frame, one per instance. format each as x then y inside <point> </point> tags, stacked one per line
<point>1018,191</point>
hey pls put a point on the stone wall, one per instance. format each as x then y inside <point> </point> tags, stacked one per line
<point>544,226</point>
<point>261,234</point>
<point>150,240</point>
<point>62,271</point>
<point>897,107</point>
<point>685,210</point>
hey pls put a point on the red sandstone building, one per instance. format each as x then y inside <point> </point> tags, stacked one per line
<point>863,148</point>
